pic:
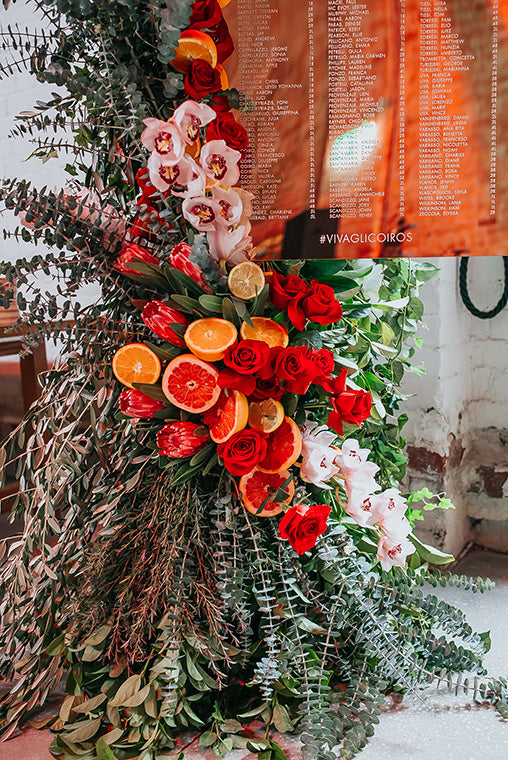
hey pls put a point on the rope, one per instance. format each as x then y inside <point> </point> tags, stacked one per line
<point>464,292</point>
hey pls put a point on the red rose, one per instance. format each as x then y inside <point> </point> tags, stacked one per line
<point>226,127</point>
<point>220,103</point>
<point>159,318</point>
<point>135,403</point>
<point>201,80</point>
<point>247,356</point>
<point>302,525</point>
<point>296,369</point>
<point>266,388</point>
<point>228,378</point>
<point>205,14</point>
<point>320,305</point>
<point>348,405</point>
<point>287,292</point>
<point>179,259</point>
<point>243,451</point>
<point>223,41</point>
<point>181,439</point>
<point>325,364</point>
<point>132,252</point>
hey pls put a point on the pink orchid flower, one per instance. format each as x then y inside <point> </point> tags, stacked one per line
<point>202,212</point>
<point>164,176</point>
<point>228,244</point>
<point>318,454</point>
<point>231,205</point>
<point>220,162</point>
<point>394,553</point>
<point>164,138</point>
<point>190,117</point>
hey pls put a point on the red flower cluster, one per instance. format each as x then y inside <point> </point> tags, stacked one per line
<point>207,15</point>
<point>255,369</point>
<point>315,302</point>
<point>159,318</point>
<point>135,403</point>
<point>181,439</point>
<point>132,253</point>
<point>302,526</point>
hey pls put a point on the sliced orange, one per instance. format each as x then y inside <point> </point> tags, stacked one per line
<point>255,487</point>
<point>246,280</point>
<point>192,45</point>
<point>210,338</point>
<point>228,416</point>
<point>267,330</point>
<point>284,447</point>
<point>136,363</point>
<point>194,149</point>
<point>191,384</point>
<point>266,415</point>
<point>223,3</point>
<point>224,81</point>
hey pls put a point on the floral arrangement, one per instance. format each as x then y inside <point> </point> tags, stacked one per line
<point>214,536</point>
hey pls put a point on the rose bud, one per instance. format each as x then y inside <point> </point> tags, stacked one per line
<point>179,259</point>
<point>159,317</point>
<point>180,439</point>
<point>135,403</point>
<point>132,253</point>
<point>320,305</point>
<point>348,405</point>
<point>302,525</point>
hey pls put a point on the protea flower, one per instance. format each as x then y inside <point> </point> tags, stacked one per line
<point>180,439</point>
<point>135,403</point>
<point>159,317</point>
<point>132,252</point>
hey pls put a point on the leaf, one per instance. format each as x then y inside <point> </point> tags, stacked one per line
<point>138,698</point>
<point>103,751</point>
<point>126,690</point>
<point>98,636</point>
<point>229,312</point>
<point>430,553</point>
<point>89,705</point>
<point>154,391</point>
<point>88,729</point>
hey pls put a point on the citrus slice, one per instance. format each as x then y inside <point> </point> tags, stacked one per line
<point>284,447</point>
<point>224,80</point>
<point>255,487</point>
<point>228,416</point>
<point>210,338</point>
<point>192,45</point>
<point>223,3</point>
<point>136,363</point>
<point>267,330</point>
<point>194,149</point>
<point>266,415</point>
<point>191,384</point>
<point>246,280</point>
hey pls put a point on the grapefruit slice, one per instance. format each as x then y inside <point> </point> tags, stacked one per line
<point>191,384</point>
<point>267,330</point>
<point>266,415</point>
<point>210,338</point>
<point>246,280</point>
<point>255,487</point>
<point>194,44</point>
<point>136,363</point>
<point>284,447</point>
<point>228,416</point>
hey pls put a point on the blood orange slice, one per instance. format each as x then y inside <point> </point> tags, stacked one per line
<point>228,416</point>
<point>191,384</point>
<point>284,447</point>
<point>255,487</point>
